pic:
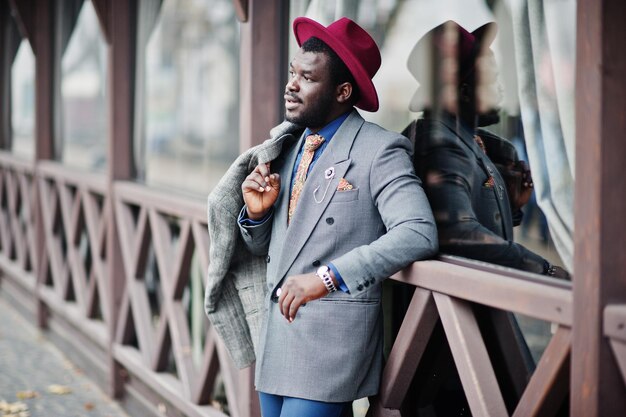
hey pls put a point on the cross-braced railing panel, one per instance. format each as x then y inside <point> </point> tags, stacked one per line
<point>17,235</point>
<point>75,222</point>
<point>448,292</point>
<point>165,244</point>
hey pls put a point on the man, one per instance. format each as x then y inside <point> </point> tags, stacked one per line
<point>336,212</point>
<point>464,170</point>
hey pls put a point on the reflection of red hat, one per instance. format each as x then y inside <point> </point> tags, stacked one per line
<point>469,45</point>
<point>354,46</point>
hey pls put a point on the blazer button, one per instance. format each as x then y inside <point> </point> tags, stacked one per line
<point>316,263</point>
<point>366,283</point>
<point>330,220</point>
<point>360,287</point>
<point>372,280</point>
<point>267,259</point>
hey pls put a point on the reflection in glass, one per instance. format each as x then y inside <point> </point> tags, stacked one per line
<point>188,116</point>
<point>83,92</point>
<point>23,102</point>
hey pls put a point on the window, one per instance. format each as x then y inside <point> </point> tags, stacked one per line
<point>84,131</point>
<point>187,131</point>
<point>23,102</point>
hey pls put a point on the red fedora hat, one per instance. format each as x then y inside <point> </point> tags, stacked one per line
<point>354,46</point>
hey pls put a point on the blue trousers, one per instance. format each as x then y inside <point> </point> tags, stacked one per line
<point>279,406</point>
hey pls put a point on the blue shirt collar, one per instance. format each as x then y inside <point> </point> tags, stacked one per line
<point>328,131</point>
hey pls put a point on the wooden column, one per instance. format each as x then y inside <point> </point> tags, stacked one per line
<point>5,70</point>
<point>597,388</point>
<point>263,69</point>
<point>119,27</point>
<point>45,69</point>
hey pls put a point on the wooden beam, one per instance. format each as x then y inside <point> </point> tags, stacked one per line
<point>263,65</point>
<point>5,76</point>
<point>471,357</point>
<point>407,350</point>
<point>599,251</point>
<point>548,386</point>
<point>619,349</point>
<point>44,49</point>
<point>528,296</point>
<point>24,13</point>
<point>121,35</point>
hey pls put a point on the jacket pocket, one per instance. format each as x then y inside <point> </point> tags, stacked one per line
<point>345,196</point>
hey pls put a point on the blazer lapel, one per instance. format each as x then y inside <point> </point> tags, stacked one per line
<point>282,203</point>
<point>317,193</point>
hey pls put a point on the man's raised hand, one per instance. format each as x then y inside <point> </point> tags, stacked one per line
<point>260,191</point>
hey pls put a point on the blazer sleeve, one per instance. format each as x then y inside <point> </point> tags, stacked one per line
<point>256,237</point>
<point>449,174</point>
<point>411,234</point>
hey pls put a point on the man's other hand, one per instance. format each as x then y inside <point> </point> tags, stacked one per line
<point>298,290</point>
<point>260,191</point>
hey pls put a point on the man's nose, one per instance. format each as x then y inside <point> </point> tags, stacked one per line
<point>292,84</point>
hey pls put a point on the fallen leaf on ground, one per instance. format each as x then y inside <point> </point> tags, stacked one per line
<point>89,406</point>
<point>18,409</point>
<point>59,389</point>
<point>24,395</point>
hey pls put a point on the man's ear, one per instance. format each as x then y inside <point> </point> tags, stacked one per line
<point>344,92</point>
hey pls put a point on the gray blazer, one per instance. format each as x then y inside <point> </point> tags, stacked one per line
<point>235,287</point>
<point>333,349</point>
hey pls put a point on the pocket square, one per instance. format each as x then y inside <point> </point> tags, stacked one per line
<point>490,183</point>
<point>344,185</point>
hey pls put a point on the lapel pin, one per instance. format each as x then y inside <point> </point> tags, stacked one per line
<point>329,174</point>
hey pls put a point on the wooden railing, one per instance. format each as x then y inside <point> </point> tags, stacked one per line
<point>163,338</point>
<point>445,290</point>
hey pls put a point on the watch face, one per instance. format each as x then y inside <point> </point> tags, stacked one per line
<point>322,270</point>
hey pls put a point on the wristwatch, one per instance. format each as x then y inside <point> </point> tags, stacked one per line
<point>324,273</point>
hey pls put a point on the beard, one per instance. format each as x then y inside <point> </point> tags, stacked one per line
<point>490,118</point>
<point>315,115</point>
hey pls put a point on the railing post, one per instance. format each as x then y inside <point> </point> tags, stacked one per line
<point>600,247</point>
<point>120,145</point>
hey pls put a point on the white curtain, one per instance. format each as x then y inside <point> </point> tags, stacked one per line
<point>545,49</point>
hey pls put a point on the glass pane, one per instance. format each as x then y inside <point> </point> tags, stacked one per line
<point>83,92</point>
<point>189,124</point>
<point>23,102</point>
